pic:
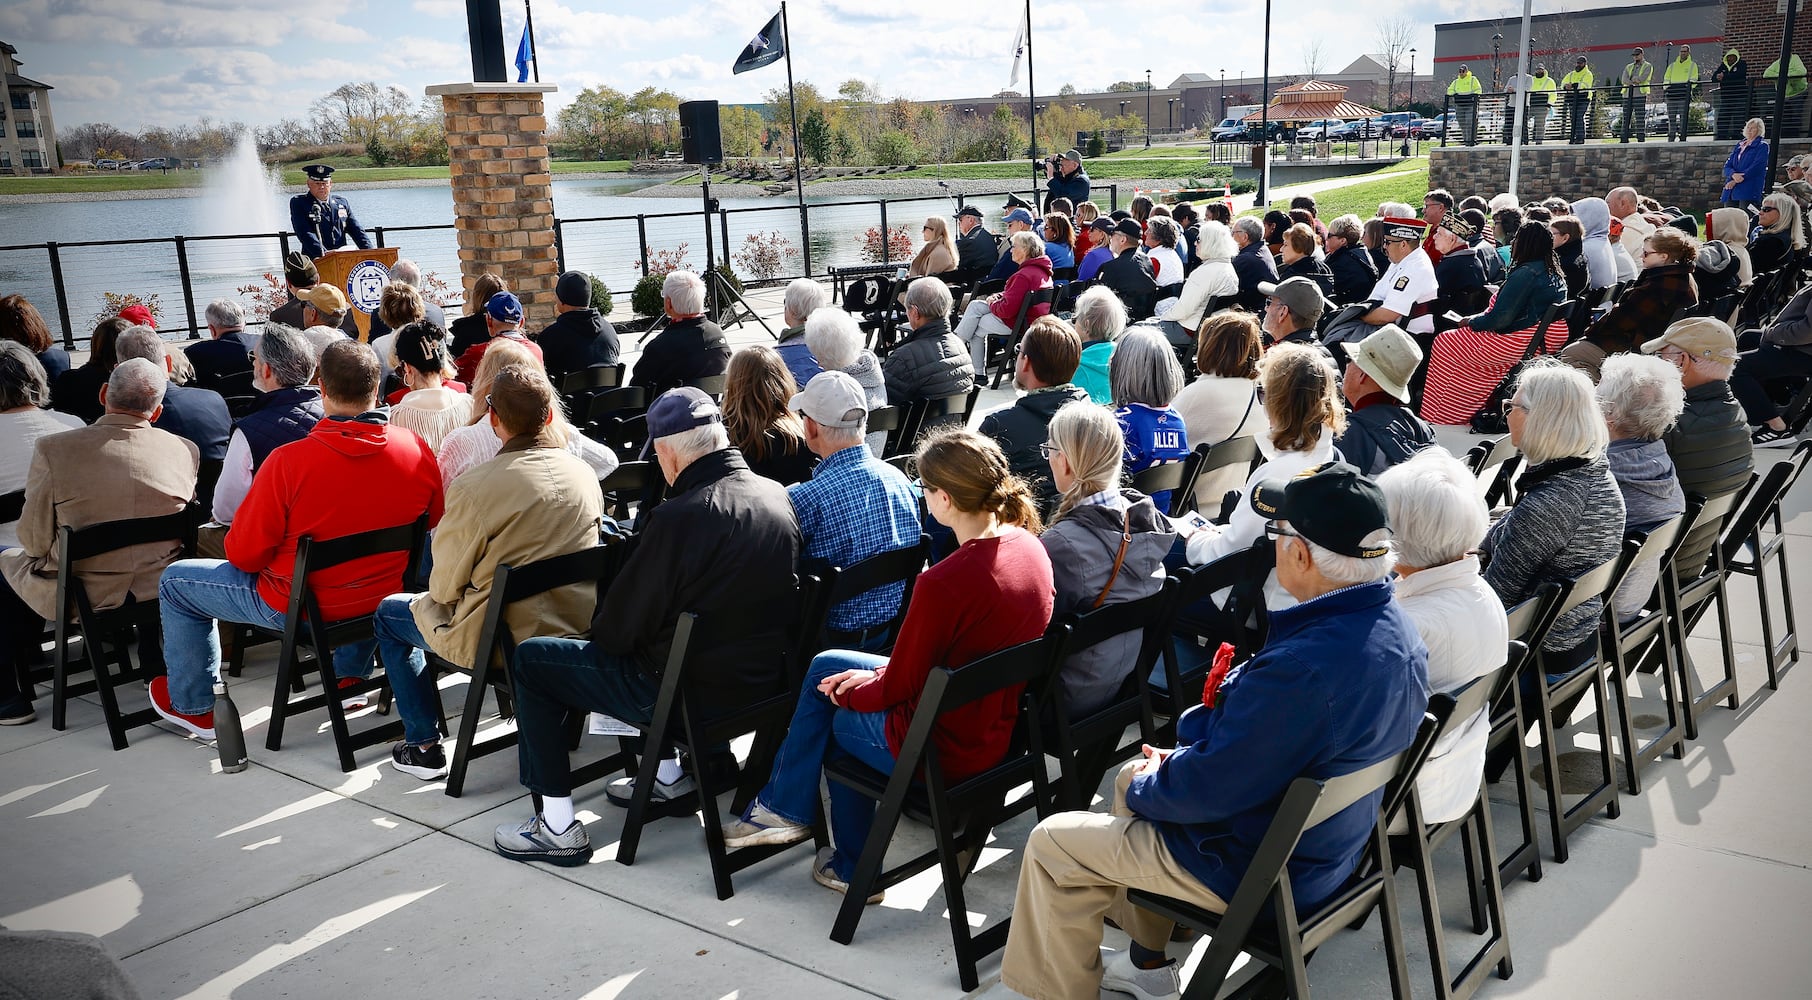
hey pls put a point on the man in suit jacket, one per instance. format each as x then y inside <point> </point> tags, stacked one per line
<point>976,249</point>
<point>197,415</point>
<point>224,363</point>
<point>117,469</point>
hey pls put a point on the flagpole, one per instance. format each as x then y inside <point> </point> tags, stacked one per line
<point>805,222</point>
<point>1031,104</point>
<point>534,53</point>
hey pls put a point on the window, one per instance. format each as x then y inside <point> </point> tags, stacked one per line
<point>28,130</point>
<point>6,160</point>
<point>21,100</point>
<point>34,160</point>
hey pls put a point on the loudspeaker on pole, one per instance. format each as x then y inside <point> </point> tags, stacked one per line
<point>701,141</point>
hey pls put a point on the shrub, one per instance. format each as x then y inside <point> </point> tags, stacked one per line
<point>600,295</point>
<point>879,248</point>
<point>116,301</point>
<point>1097,146</point>
<point>764,255</point>
<point>265,295</point>
<point>665,262</point>
<point>646,299</point>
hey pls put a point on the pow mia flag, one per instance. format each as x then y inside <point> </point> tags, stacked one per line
<point>766,47</point>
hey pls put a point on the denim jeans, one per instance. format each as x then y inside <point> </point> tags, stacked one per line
<point>819,729</point>
<point>194,593</point>
<point>977,324</point>
<point>400,646</point>
<point>555,676</point>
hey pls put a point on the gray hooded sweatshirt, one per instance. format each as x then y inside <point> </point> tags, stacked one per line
<point>1601,261</point>
<point>1651,495</point>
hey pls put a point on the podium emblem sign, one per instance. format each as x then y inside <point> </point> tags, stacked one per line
<point>365,285</point>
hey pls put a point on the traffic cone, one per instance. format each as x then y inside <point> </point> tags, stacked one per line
<point>1227,197</point>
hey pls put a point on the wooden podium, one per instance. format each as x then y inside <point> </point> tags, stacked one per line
<point>361,275</point>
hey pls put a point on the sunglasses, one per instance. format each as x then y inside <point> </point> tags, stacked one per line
<point>1767,209</point>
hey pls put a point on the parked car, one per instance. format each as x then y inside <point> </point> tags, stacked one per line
<point>1364,129</point>
<point>157,163</point>
<point>106,164</point>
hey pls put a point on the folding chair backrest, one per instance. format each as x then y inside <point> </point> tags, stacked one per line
<point>945,410</point>
<point>1245,573</point>
<point>1642,547</point>
<point>1765,499</point>
<point>947,689</point>
<point>711,385</point>
<point>512,584</point>
<point>76,544</point>
<point>1699,548</point>
<point>884,418</point>
<point>1435,721</point>
<point>1146,614</point>
<point>1176,477</point>
<point>614,401</point>
<point>1598,581</point>
<point>316,555</point>
<point>1559,310</point>
<point>1233,451</point>
<point>592,378</point>
<point>867,294</point>
<point>639,482</point>
<point>841,583</point>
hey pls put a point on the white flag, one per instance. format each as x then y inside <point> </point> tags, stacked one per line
<point>1019,52</point>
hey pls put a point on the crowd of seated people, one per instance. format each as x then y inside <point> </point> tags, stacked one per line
<point>1385,556</point>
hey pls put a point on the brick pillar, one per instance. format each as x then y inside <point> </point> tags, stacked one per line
<point>503,201</point>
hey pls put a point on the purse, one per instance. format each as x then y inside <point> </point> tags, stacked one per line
<point>1119,558</point>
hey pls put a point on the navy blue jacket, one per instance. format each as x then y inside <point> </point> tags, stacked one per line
<point>1253,265</point>
<point>223,365</point>
<point>1341,684</point>
<point>199,415</point>
<point>324,226</point>
<point>282,416</point>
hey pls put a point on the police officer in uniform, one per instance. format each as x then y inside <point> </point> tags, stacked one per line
<point>321,219</point>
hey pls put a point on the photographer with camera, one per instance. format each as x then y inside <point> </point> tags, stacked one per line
<point>1067,178</point>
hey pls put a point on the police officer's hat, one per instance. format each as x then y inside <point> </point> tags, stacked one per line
<point>318,171</point>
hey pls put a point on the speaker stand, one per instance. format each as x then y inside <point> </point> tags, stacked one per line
<point>718,292</point>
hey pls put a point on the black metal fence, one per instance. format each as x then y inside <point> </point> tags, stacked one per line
<point>82,281</point>
<point>1666,111</point>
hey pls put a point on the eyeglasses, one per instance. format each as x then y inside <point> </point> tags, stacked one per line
<point>1047,449</point>
<point>487,403</point>
<point>1274,531</point>
<point>1511,404</point>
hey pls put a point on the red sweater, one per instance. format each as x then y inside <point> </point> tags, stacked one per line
<point>345,477</point>
<point>467,363</point>
<point>1032,275</point>
<point>989,594</point>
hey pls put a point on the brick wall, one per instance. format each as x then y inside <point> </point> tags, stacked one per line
<point>1754,27</point>
<point>502,189</point>
<point>1687,174</point>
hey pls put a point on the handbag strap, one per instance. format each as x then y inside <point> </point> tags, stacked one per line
<point>1119,557</point>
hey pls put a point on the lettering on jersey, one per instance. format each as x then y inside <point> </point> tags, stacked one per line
<point>1166,440</point>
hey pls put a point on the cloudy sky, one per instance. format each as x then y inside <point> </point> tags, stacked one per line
<point>143,62</point>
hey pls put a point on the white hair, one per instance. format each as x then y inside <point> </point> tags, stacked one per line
<point>834,337</point>
<point>319,337</point>
<point>685,291</point>
<point>1641,395</point>
<point>140,342</point>
<point>1216,241</point>
<point>290,354</point>
<point>136,386</point>
<point>803,297</point>
<point>1144,369</point>
<point>1396,210</point>
<point>225,314</point>
<point>1563,420</point>
<point>930,296</point>
<point>844,437</point>
<point>1436,512</point>
<point>406,271</point>
<point>1350,571</point>
<point>1100,315</point>
<point>690,445</point>
<point>1254,229</point>
<point>1501,202</point>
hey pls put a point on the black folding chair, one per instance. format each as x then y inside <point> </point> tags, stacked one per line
<point>927,415</point>
<point>1010,346</point>
<point>577,388</point>
<point>640,486</point>
<point>111,630</point>
<point>305,626</point>
<point>1087,746</point>
<point>960,813</point>
<point>1495,462</point>
<point>497,645</point>
<point>1239,620</point>
<point>1415,849</point>
<point>1529,624</point>
<point>1178,477</point>
<point>1600,582</point>
<point>1262,919</point>
<point>1694,584</point>
<point>887,420</point>
<point>678,721</point>
<point>711,385</point>
<point>1750,554</point>
<point>1625,644</point>
<point>836,584</point>
<point>608,405</point>
<point>1241,451</point>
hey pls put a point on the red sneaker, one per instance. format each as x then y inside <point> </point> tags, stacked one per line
<point>201,725</point>
<point>356,701</point>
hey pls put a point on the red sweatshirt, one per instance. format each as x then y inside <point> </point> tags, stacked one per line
<point>345,477</point>
<point>989,594</point>
<point>467,363</point>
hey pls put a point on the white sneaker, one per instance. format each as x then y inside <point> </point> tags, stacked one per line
<point>760,825</point>
<point>1121,976</point>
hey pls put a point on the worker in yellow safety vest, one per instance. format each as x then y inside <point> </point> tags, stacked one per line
<point>1634,82</point>
<point>1677,83</point>
<point>1463,98</point>
<point>1578,87</point>
<point>1541,96</point>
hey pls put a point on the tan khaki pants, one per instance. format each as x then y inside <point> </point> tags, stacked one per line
<point>1077,868</point>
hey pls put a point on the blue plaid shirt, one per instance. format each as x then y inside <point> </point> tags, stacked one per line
<point>856,506</point>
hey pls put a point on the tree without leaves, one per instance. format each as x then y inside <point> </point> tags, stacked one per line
<point>1314,57</point>
<point>1395,34</point>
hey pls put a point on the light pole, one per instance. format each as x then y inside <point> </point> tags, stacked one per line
<point>1148,109</point>
<point>1223,92</point>
<point>1412,76</point>
<point>1497,42</point>
<point>1173,113</point>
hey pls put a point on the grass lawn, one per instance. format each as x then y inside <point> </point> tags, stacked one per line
<point>1394,183</point>
<point>1177,167</point>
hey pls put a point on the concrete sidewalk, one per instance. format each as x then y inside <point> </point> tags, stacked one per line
<point>293,879</point>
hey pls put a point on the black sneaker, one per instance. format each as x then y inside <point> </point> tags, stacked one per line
<point>16,712</point>
<point>426,763</point>
<point>1767,436</point>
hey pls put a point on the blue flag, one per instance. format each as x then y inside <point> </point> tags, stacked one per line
<point>525,52</point>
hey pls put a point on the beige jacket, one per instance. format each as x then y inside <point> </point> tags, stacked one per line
<point>527,504</point>
<point>118,469</point>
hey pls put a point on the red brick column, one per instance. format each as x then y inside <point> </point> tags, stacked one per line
<point>502,190</point>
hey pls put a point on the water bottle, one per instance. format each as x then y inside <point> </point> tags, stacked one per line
<point>229,735</point>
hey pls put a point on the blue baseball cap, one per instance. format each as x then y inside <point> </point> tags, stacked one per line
<point>1019,215</point>
<point>504,308</point>
<point>677,411</point>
